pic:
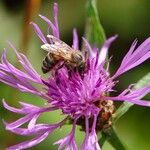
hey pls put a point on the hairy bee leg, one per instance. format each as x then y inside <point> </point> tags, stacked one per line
<point>69,74</point>
<point>55,73</point>
<point>59,67</point>
<point>69,69</point>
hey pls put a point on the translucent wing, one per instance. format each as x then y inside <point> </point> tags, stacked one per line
<point>57,47</point>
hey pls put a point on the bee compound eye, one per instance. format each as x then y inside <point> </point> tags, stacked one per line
<point>81,67</point>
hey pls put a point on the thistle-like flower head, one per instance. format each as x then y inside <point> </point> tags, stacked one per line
<point>83,100</point>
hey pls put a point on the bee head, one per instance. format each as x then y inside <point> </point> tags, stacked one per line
<point>81,67</point>
<point>79,62</point>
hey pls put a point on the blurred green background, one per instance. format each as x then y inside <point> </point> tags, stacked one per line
<point>129,19</point>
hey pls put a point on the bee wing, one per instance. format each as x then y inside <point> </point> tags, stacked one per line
<point>57,47</point>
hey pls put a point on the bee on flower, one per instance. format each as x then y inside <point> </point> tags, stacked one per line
<point>84,100</point>
<point>59,51</point>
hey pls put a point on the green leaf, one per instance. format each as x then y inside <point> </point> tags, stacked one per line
<point>126,105</point>
<point>143,81</point>
<point>94,30</point>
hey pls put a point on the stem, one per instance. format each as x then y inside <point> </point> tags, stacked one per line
<point>112,137</point>
<point>125,106</point>
<point>102,140</point>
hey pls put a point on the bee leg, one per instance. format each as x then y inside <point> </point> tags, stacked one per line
<point>59,67</point>
<point>69,69</point>
<point>56,73</point>
<point>69,74</point>
<point>75,69</point>
<point>57,80</point>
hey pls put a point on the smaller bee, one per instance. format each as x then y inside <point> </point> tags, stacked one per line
<point>59,51</point>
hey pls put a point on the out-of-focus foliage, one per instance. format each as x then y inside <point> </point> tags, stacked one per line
<point>93,30</point>
<point>11,6</point>
<point>128,19</point>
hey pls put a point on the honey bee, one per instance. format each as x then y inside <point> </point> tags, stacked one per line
<point>59,51</point>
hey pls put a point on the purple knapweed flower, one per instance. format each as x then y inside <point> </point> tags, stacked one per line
<point>83,101</point>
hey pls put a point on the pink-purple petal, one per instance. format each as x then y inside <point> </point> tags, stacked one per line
<point>26,65</point>
<point>19,122</point>
<point>87,46</point>
<point>50,24</point>
<point>104,49</point>
<point>91,141</point>
<point>56,19</point>
<point>12,109</point>
<point>69,141</point>
<point>30,143</point>
<point>75,44</point>
<point>134,57</point>
<point>39,32</point>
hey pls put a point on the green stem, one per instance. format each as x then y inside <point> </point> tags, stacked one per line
<point>102,140</point>
<point>112,137</point>
<point>125,106</point>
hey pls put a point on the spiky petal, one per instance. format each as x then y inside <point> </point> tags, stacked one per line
<point>76,97</point>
